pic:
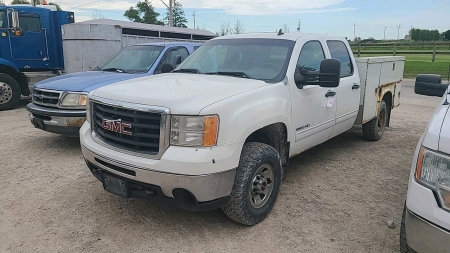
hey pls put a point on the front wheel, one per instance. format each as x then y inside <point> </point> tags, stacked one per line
<point>374,129</point>
<point>256,186</point>
<point>9,92</point>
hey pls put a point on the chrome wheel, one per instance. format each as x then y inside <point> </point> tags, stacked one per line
<point>261,186</point>
<point>6,93</point>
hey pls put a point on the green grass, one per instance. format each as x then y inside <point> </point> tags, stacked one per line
<point>421,64</point>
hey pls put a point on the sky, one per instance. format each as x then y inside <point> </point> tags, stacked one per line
<point>337,17</point>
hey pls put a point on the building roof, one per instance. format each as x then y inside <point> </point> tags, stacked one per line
<point>142,26</point>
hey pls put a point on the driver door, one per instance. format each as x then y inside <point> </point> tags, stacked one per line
<point>312,119</point>
<point>30,44</point>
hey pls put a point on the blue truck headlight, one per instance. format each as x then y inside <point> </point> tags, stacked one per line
<point>74,100</point>
<point>433,171</point>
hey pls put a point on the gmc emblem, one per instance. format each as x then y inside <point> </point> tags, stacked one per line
<point>116,125</point>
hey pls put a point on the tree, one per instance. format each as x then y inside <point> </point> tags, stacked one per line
<point>446,35</point>
<point>20,2</point>
<point>238,28</point>
<point>179,20</point>
<point>37,2</point>
<point>225,29</point>
<point>424,35</point>
<point>96,15</point>
<point>286,28</point>
<point>144,13</point>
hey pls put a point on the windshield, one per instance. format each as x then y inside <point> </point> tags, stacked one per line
<point>2,19</point>
<point>261,59</point>
<point>133,59</point>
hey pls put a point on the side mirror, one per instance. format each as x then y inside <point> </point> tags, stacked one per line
<point>329,75</point>
<point>166,68</point>
<point>178,59</point>
<point>430,85</point>
<point>15,19</point>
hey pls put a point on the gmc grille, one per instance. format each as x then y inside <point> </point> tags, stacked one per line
<point>140,130</point>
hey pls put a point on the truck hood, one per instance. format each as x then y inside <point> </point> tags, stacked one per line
<point>84,81</point>
<point>437,135</point>
<point>181,93</point>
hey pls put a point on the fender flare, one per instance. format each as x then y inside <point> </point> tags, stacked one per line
<point>9,64</point>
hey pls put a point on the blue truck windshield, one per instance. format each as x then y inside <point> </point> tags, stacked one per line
<point>2,19</point>
<point>262,59</point>
<point>133,59</point>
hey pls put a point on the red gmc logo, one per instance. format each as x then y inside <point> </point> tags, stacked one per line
<point>116,125</point>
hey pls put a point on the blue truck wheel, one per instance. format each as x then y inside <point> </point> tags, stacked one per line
<point>9,92</point>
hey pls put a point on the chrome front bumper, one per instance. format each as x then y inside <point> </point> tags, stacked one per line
<point>423,236</point>
<point>204,188</point>
<point>65,122</point>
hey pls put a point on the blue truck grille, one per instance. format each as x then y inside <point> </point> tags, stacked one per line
<point>46,98</point>
<point>128,129</point>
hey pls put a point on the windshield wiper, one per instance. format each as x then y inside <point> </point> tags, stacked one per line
<point>115,70</point>
<point>233,73</point>
<point>196,71</point>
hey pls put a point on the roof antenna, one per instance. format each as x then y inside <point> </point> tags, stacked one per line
<point>280,32</point>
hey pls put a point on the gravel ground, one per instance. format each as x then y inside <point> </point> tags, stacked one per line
<point>338,197</point>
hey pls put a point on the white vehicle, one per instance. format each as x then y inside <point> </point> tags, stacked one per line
<point>219,130</point>
<point>426,216</point>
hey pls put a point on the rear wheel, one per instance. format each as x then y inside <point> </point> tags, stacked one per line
<point>374,129</point>
<point>9,92</point>
<point>256,186</point>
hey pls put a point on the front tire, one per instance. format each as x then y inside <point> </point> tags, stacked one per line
<point>374,129</point>
<point>257,184</point>
<point>9,92</point>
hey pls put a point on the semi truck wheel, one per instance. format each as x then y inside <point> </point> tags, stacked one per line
<point>374,129</point>
<point>256,185</point>
<point>9,92</point>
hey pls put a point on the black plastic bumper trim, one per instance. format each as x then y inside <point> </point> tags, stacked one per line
<point>40,110</point>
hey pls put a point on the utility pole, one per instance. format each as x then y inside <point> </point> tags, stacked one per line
<point>354,32</point>
<point>171,12</point>
<point>384,38</point>
<point>398,32</point>
<point>299,25</point>
<point>193,14</point>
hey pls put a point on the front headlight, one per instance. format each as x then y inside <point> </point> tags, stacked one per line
<point>74,100</point>
<point>194,130</point>
<point>433,171</point>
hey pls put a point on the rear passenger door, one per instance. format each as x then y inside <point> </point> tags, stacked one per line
<point>348,92</point>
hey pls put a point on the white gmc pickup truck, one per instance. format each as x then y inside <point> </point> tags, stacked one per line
<point>218,131</point>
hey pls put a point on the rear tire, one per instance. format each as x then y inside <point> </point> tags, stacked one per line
<point>9,92</point>
<point>404,247</point>
<point>256,185</point>
<point>374,129</point>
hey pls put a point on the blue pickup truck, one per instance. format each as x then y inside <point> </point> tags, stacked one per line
<point>59,103</point>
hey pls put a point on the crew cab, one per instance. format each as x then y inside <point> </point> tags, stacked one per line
<point>59,103</point>
<point>425,223</point>
<point>218,130</point>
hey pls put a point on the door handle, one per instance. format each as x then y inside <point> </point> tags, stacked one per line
<point>330,94</point>
<point>355,86</point>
